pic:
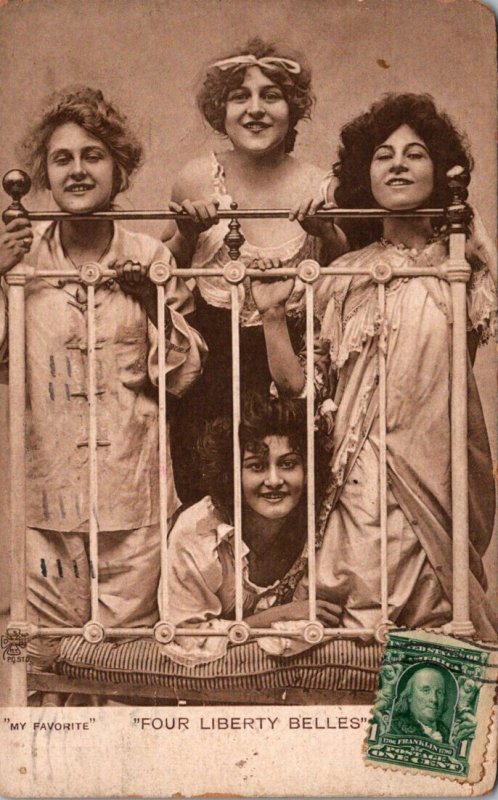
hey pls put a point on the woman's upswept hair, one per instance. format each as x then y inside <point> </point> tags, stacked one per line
<point>296,88</point>
<point>87,108</point>
<point>446,145</point>
<point>261,416</point>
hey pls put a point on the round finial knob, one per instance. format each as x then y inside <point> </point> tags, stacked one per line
<point>91,273</point>
<point>93,632</point>
<point>16,183</point>
<point>313,632</point>
<point>458,179</point>
<point>239,632</point>
<point>234,206</point>
<point>164,632</point>
<point>159,272</point>
<point>234,272</point>
<point>458,213</point>
<point>382,630</point>
<point>458,176</point>
<point>381,273</point>
<point>308,270</point>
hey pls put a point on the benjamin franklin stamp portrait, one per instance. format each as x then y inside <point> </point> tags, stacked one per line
<point>433,708</point>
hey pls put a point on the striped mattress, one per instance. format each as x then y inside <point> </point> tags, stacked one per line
<point>336,665</point>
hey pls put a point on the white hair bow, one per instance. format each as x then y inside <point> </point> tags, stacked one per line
<point>249,60</point>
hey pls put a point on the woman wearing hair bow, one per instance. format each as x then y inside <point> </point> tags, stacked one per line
<point>255,98</point>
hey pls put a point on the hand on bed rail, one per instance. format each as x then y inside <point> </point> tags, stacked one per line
<point>333,239</point>
<point>133,279</point>
<point>305,212</point>
<point>201,216</point>
<point>326,612</point>
<point>270,292</point>
<point>15,242</point>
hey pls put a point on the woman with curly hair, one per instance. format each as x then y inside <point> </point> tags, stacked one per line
<point>396,157</point>
<point>201,559</point>
<point>82,150</point>
<point>255,98</point>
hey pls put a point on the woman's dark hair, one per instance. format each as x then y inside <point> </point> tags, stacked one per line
<point>87,108</point>
<point>447,148</point>
<point>296,88</point>
<point>260,417</point>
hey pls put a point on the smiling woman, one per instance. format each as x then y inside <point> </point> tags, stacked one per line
<point>256,98</point>
<point>257,114</point>
<point>83,107</point>
<point>201,555</point>
<point>80,170</point>
<point>272,479</point>
<point>401,172</point>
<point>83,151</point>
<point>396,156</point>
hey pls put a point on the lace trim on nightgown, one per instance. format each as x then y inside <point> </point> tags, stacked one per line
<point>212,251</point>
<point>350,332</point>
<point>280,591</point>
<point>481,305</point>
<point>355,302</point>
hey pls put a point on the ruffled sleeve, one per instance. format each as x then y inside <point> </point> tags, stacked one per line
<point>186,350</point>
<point>195,577</point>
<point>325,192</point>
<point>323,378</point>
<point>481,304</point>
<point>324,188</point>
<point>328,335</point>
<point>481,293</point>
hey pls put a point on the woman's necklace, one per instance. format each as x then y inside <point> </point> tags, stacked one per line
<point>411,250</point>
<point>431,254</point>
<point>78,266</point>
<point>81,293</point>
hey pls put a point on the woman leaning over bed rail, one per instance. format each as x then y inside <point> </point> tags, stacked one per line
<point>395,156</point>
<point>82,150</point>
<point>201,557</point>
<point>255,98</point>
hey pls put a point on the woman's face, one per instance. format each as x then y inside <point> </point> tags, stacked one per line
<point>402,171</point>
<point>80,170</point>
<point>257,114</point>
<point>273,479</point>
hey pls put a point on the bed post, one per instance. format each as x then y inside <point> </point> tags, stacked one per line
<point>17,184</point>
<point>93,631</point>
<point>309,273</point>
<point>458,274</point>
<point>18,623</point>
<point>234,273</point>
<point>159,273</point>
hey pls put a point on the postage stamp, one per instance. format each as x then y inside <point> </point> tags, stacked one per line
<point>434,706</point>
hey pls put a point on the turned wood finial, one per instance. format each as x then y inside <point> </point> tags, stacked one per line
<point>458,213</point>
<point>16,184</point>
<point>234,238</point>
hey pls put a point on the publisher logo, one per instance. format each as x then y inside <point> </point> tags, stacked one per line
<point>13,643</point>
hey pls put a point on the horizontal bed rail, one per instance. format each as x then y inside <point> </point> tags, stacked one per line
<point>456,271</point>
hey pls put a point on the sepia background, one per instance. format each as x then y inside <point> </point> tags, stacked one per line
<point>149,55</point>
